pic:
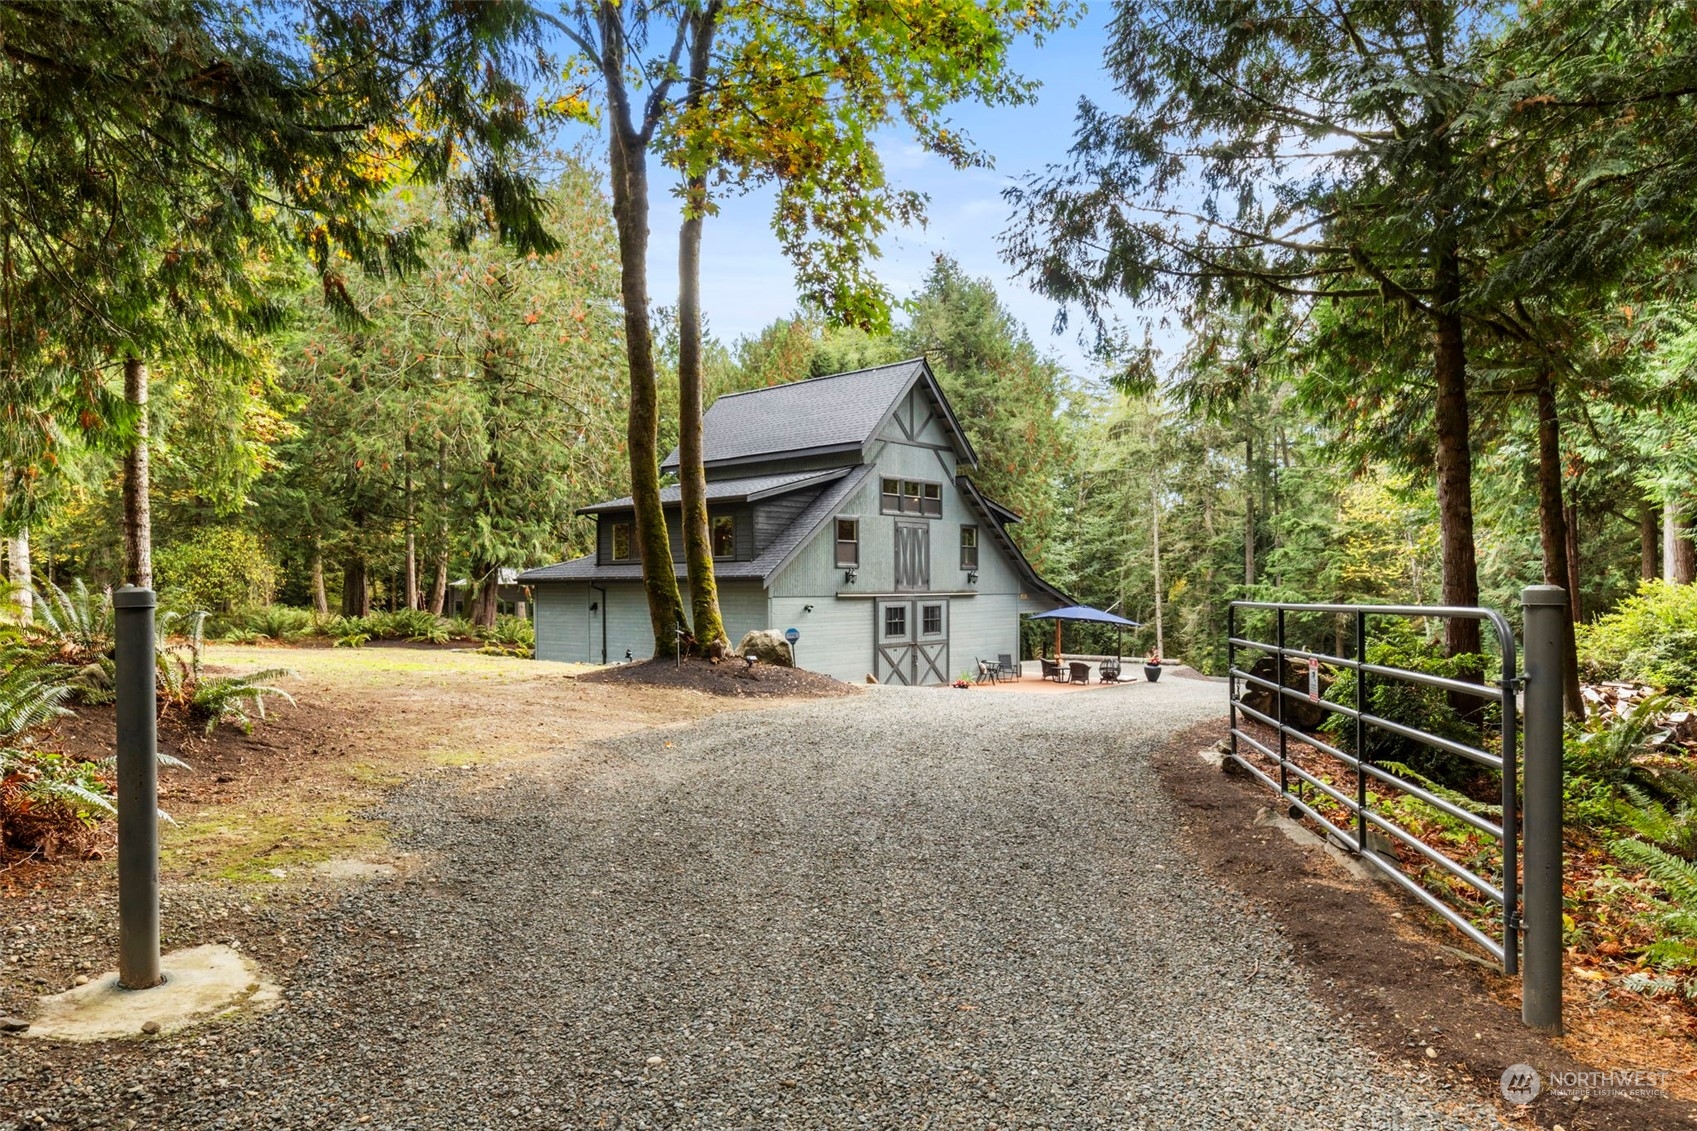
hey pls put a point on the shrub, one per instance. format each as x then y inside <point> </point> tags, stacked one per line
<point>1397,645</point>
<point>511,636</point>
<point>410,624</point>
<point>276,622</point>
<point>220,569</point>
<point>1651,637</point>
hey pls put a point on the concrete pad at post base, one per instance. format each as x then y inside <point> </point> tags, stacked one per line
<point>202,983</point>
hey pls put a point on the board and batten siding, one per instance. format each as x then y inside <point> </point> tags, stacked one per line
<point>562,622</point>
<point>567,630</point>
<point>836,637</point>
<point>984,627</point>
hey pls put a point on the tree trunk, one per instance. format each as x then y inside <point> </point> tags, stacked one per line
<point>628,165</point>
<point>1454,462</point>
<point>1155,556</point>
<point>439,586</point>
<point>1554,533</point>
<point>320,599</point>
<point>356,588</point>
<point>1670,542</point>
<point>1647,543</point>
<point>138,508</point>
<point>485,599</point>
<point>412,534</point>
<point>692,475</point>
<point>18,572</point>
<point>1248,511</point>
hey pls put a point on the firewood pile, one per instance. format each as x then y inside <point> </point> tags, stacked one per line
<point>1675,728</point>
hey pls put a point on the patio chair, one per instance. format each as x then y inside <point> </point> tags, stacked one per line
<point>987,671</point>
<point>1109,672</point>
<point>1052,670</point>
<point>1006,668</point>
<point>1080,672</point>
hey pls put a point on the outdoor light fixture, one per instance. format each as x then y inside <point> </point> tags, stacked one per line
<point>593,605</point>
<point>751,659</point>
<point>972,578</point>
<point>850,574</point>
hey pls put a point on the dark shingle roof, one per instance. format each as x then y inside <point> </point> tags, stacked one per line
<point>761,568</point>
<point>822,414</point>
<point>734,490</point>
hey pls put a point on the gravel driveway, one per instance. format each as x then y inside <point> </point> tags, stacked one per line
<point>907,908</point>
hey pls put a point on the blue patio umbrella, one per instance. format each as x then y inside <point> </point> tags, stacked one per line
<point>1085,613</point>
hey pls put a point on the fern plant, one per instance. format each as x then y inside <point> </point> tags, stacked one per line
<point>28,699</point>
<point>76,623</point>
<point>237,699</point>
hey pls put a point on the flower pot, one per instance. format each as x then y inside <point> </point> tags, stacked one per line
<point>1151,672</point>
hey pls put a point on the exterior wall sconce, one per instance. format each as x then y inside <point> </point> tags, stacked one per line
<point>972,578</point>
<point>850,575</point>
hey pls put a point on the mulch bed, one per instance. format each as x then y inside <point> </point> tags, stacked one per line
<point>729,677</point>
<point>1400,991</point>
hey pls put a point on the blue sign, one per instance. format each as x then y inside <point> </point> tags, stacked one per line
<point>792,634</point>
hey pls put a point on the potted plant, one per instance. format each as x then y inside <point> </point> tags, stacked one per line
<point>1152,667</point>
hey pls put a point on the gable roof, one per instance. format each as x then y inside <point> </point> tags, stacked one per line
<point>749,490</point>
<point>839,413</point>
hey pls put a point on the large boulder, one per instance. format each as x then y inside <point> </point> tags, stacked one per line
<point>768,644</point>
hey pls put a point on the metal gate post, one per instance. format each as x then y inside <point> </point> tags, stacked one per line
<point>1544,607</point>
<point>1231,668</point>
<point>138,790</point>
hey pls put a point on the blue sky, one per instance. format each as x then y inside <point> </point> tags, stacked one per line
<point>746,282</point>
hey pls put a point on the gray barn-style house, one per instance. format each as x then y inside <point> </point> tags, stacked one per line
<point>837,507</point>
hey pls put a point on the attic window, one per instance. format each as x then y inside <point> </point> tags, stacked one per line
<point>911,496</point>
<point>621,542</point>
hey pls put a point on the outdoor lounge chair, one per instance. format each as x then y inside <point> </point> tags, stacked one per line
<point>1052,670</point>
<point>988,671</point>
<point>1080,672</point>
<point>1006,668</point>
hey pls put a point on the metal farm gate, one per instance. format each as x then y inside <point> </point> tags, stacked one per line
<point>1355,806</point>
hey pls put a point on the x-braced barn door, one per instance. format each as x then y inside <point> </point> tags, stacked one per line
<point>912,642</point>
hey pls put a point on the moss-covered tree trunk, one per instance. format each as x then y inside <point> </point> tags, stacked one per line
<point>692,474</point>
<point>628,164</point>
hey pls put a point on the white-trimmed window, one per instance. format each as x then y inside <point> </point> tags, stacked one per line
<point>848,543</point>
<point>969,547</point>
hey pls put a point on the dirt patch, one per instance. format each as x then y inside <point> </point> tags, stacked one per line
<point>264,806</point>
<point>1379,957</point>
<point>730,678</point>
